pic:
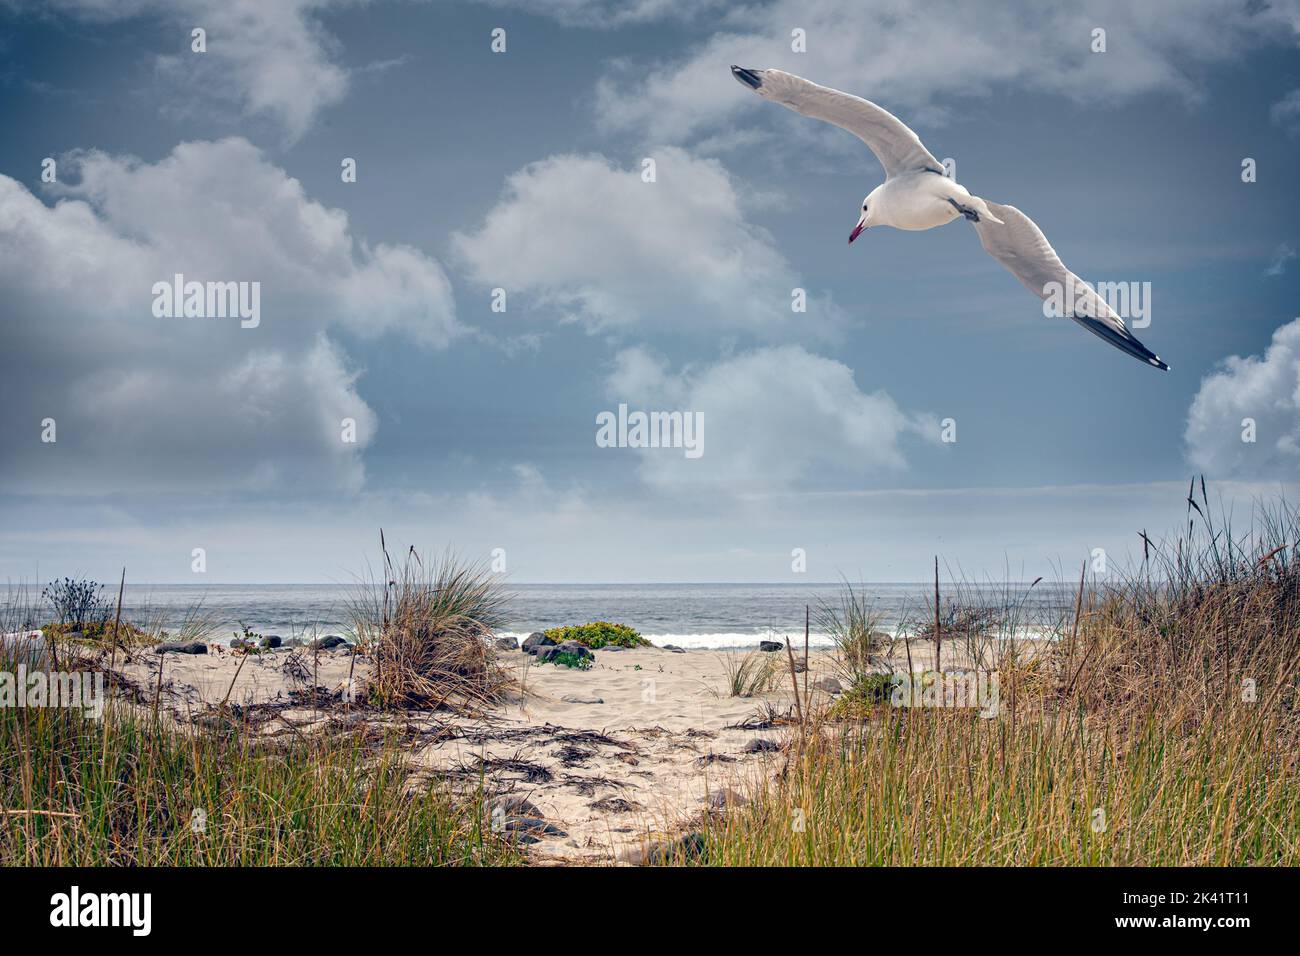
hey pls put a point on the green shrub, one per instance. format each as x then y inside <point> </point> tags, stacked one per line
<point>598,634</point>
<point>569,659</point>
<point>862,699</point>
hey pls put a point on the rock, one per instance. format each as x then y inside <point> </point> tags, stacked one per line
<point>269,642</point>
<point>327,643</point>
<point>552,650</point>
<point>507,643</point>
<point>726,798</point>
<point>830,685</point>
<point>674,648</point>
<point>515,805</point>
<point>612,649</point>
<point>770,646</point>
<point>578,699</point>
<point>690,846</point>
<point>532,825</point>
<point>535,641</point>
<point>799,665</point>
<point>194,647</point>
<point>760,745</point>
<point>239,644</point>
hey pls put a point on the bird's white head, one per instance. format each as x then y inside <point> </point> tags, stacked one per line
<point>866,218</point>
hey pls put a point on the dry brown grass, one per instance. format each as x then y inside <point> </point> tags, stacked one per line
<point>428,629</point>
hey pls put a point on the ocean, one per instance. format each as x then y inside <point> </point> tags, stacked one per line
<point>688,615</point>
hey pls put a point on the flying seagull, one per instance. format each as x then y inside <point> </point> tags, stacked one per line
<point>916,194</point>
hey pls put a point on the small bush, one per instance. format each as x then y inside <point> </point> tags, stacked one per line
<point>861,700</point>
<point>80,603</point>
<point>98,633</point>
<point>598,634</point>
<point>569,659</point>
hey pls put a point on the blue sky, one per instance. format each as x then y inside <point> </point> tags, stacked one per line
<point>522,170</point>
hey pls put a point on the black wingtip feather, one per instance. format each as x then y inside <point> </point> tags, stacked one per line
<point>1125,341</point>
<point>748,77</point>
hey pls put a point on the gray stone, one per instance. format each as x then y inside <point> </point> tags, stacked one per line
<point>568,647</point>
<point>270,641</point>
<point>726,798</point>
<point>535,641</point>
<point>532,825</point>
<point>674,648</point>
<point>690,846</point>
<point>327,643</point>
<point>507,643</point>
<point>760,745</point>
<point>830,685</point>
<point>194,647</point>
<point>515,805</point>
<point>579,699</point>
<point>770,646</point>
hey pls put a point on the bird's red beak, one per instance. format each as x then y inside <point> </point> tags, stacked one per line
<point>857,231</point>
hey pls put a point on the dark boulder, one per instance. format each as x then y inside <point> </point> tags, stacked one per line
<point>770,646</point>
<point>535,641</point>
<point>193,647</point>
<point>572,648</point>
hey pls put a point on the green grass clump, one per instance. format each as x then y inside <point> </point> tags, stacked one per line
<point>864,698</point>
<point>95,633</point>
<point>598,634</point>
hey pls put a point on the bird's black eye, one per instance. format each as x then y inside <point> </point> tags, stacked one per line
<point>864,207</point>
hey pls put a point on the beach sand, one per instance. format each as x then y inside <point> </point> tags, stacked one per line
<point>613,758</point>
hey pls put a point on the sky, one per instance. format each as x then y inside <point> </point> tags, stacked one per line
<point>504,269</point>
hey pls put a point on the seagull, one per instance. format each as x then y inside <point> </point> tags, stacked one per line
<point>918,194</point>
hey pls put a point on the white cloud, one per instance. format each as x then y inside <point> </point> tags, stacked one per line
<point>583,236</point>
<point>1283,254</point>
<point>912,56</point>
<point>1286,112</point>
<point>773,417</point>
<point>272,58</point>
<point>1266,390</point>
<point>605,14</point>
<point>183,403</point>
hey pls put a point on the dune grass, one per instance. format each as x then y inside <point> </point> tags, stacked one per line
<point>78,792</point>
<point>1162,728</point>
<point>135,788</point>
<point>426,626</point>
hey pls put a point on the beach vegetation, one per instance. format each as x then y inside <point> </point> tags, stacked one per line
<point>598,634</point>
<point>427,627</point>
<point>1158,725</point>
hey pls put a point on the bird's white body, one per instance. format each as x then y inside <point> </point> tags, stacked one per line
<point>916,201</point>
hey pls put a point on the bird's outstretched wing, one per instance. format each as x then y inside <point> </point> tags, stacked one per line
<point>897,147</point>
<point>1020,245</point>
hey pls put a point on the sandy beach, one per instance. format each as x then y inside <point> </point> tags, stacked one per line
<point>612,759</point>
